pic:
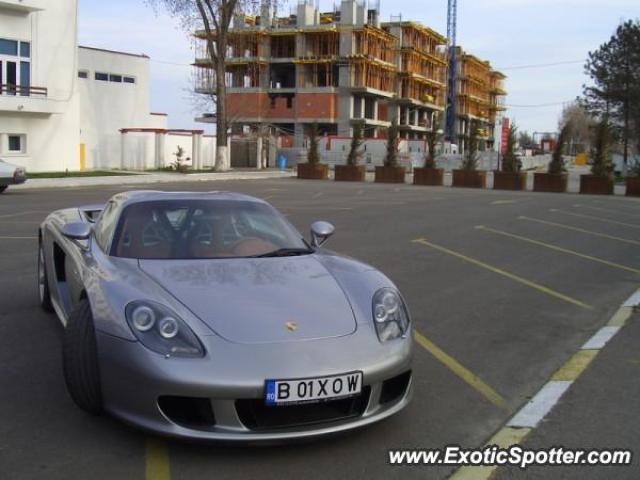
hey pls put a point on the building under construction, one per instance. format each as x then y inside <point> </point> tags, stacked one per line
<point>341,68</point>
<point>480,99</point>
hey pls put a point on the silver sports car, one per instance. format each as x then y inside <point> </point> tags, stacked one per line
<point>208,316</point>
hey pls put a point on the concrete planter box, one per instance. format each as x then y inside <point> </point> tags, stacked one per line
<point>595,185</point>
<point>509,180</point>
<point>313,171</point>
<point>550,182</point>
<point>390,174</point>
<point>350,173</point>
<point>469,178</point>
<point>633,187</point>
<point>428,176</point>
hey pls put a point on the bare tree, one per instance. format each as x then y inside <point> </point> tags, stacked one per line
<point>580,127</point>
<point>215,17</point>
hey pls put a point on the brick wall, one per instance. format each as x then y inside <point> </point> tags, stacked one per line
<point>254,104</point>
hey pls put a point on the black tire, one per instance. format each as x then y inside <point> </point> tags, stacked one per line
<point>3,188</point>
<point>80,360</point>
<point>43,282</point>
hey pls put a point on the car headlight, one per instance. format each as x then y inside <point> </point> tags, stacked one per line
<point>389,314</point>
<point>161,330</point>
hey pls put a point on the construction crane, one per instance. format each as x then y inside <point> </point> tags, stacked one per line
<point>450,114</point>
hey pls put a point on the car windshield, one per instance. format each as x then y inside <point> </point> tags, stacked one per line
<point>195,229</point>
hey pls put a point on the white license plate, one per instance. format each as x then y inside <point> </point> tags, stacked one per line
<point>303,390</point>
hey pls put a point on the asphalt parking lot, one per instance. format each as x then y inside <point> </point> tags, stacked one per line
<point>503,289</point>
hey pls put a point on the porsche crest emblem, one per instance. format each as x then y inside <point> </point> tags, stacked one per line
<point>291,326</point>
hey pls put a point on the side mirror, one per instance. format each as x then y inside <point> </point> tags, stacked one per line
<point>320,233</point>
<point>77,230</point>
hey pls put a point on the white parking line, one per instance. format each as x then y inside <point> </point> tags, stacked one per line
<point>538,407</point>
<point>633,301</point>
<point>600,339</point>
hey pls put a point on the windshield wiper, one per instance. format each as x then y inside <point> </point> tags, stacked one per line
<point>285,252</point>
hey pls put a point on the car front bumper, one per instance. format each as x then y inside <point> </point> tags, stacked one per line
<point>230,375</point>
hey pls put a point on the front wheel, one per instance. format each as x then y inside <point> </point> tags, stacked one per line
<point>80,359</point>
<point>43,282</point>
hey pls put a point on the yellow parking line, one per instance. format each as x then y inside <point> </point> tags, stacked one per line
<point>503,202</point>
<point>157,460</point>
<point>515,278</point>
<point>456,367</point>
<point>558,249</point>
<point>581,230</point>
<point>505,438</point>
<point>593,217</point>
<point>575,366</point>
<point>620,318</point>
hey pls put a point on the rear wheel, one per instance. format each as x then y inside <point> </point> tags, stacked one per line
<point>3,188</point>
<point>43,282</point>
<point>80,359</point>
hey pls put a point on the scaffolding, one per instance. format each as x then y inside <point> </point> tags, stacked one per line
<point>245,44</point>
<point>318,75</point>
<point>246,75</point>
<point>474,94</point>
<point>421,38</point>
<point>365,73</point>
<point>427,66</point>
<point>320,44</point>
<point>375,43</point>
<point>422,91</point>
<point>283,46</point>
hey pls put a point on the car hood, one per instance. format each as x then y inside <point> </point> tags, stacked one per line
<point>259,300</point>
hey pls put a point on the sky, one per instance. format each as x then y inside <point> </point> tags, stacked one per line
<point>540,45</point>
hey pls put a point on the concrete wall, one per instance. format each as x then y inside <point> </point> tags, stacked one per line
<point>50,123</point>
<point>489,161</point>
<point>139,150</point>
<point>106,107</point>
<point>334,151</point>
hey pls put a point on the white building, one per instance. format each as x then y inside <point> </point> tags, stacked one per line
<point>114,94</point>
<point>68,107</point>
<point>39,101</point>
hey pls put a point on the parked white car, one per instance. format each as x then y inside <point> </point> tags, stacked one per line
<point>11,175</point>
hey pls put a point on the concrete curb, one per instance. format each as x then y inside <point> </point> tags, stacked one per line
<point>74,182</point>
<point>533,412</point>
